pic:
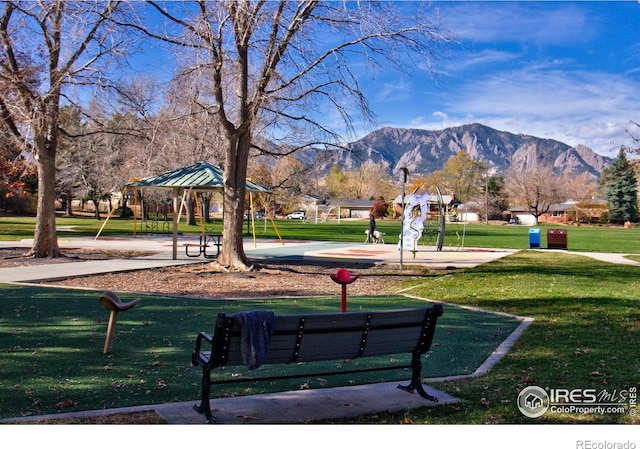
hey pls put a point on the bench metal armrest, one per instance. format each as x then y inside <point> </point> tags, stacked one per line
<point>197,352</point>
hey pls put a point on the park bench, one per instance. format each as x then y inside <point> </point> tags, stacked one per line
<point>322,337</point>
<point>206,241</point>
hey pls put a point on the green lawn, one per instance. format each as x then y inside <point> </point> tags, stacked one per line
<point>52,342</point>
<point>579,238</point>
<point>585,335</point>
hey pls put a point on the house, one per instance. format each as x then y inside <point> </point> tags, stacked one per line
<point>322,209</point>
<point>564,213</point>
<point>344,209</point>
<point>352,208</point>
<point>468,211</point>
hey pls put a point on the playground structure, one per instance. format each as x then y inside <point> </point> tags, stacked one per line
<point>203,177</point>
<point>184,182</point>
<point>344,278</point>
<point>416,211</point>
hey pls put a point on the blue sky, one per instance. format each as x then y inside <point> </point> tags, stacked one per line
<point>568,71</point>
<point>564,70</point>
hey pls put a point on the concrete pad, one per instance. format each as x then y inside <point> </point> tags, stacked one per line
<point>290,407</point>
<point>389,254</point>
<point>303,406</point>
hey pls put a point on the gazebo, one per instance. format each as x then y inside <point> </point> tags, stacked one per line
<point>182,181</point>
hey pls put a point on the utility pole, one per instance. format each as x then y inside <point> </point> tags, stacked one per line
<point>486,198</point>
<point>405,173</point>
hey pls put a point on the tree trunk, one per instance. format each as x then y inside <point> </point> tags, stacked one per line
<point>205,203</point>
<point>96,206</point>
<point>232,254</point>
<point>45,240</point>
<point>68,208</point>
<point>191,210</point>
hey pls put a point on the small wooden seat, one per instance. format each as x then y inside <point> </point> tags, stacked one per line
<point>110,301</point>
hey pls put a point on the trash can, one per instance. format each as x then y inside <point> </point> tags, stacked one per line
<point>557,238</point>
<point>534,237</point>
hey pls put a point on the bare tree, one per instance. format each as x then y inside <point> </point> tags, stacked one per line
<point>46,46</point>
<point>93,158</point>
<point>370,181</point>
<point>282,66</point>
<point>635,151</point>
<point>288,177</point>
<point>537,188</point>
<point>635,138</point>
<point>131,133</point>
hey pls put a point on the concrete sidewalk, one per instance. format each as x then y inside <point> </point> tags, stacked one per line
<point>261,250</point>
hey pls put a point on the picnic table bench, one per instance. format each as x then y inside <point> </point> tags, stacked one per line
<point>206,241</point>
<point>321,337</point>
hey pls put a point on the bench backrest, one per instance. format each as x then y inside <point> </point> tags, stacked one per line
<point>333,336</point>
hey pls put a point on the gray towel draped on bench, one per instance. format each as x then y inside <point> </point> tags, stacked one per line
<point>256,331</point>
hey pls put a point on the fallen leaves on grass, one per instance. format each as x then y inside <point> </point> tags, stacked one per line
<point>406,420</point>
<point>65,404</point>
<point>143,417</point>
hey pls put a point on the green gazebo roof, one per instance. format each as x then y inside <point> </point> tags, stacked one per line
<point>198,176</point>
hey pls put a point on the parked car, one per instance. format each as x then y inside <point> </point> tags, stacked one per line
<point>297,215</point>
<point>255,215</point>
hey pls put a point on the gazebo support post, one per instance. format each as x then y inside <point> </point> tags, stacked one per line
<point>176,193</point>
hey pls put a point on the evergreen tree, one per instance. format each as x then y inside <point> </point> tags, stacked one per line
<point>620,184</point>
<point>497,200</point>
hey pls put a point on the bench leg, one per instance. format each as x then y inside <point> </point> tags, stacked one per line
<point>204,406</point>
<point>416,383</point>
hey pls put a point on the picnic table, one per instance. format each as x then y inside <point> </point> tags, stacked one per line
<point>206,241</point>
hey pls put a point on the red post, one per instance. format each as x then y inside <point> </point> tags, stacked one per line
<point>343,278</point>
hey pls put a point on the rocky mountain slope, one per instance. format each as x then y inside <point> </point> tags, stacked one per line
<point>423,151</point>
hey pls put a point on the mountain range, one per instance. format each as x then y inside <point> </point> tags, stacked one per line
<point>423,151</point>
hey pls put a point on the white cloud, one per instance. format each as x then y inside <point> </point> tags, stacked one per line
<point>523,22</point>
<point>483,57</point>
<point>397,91</point>
<point>574,107</point>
